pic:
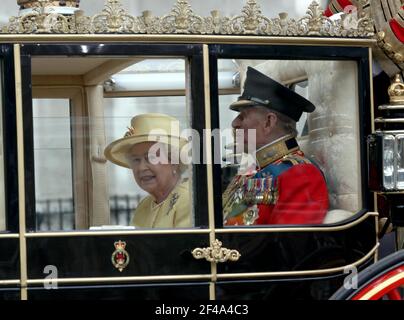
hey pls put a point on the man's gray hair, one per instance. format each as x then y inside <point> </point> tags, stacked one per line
<point>286,124</point>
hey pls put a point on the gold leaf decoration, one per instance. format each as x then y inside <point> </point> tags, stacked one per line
<point>251,20</point>
<point>182,19</point>
<point>114,19</point>
<point>215,253</point>
<point>40,20</point>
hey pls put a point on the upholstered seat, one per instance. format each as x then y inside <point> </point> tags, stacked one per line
<point>337,215</point>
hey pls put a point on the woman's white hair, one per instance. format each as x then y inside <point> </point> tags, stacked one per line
<point>172,153</point>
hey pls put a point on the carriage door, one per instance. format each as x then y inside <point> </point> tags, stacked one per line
<point>81,233</point>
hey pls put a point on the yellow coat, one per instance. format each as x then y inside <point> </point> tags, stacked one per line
<point>173,212</point>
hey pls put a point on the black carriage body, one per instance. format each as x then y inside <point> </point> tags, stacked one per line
<point>294,262</point>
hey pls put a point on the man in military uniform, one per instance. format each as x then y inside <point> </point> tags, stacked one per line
<point>286,187</point>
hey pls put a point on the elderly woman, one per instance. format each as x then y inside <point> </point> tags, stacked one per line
<point>151,149</point>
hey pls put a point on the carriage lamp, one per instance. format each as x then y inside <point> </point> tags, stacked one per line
<point>386,161</point>
<point>386,147</point>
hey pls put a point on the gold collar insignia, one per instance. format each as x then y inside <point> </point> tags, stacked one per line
<point>276,150</point>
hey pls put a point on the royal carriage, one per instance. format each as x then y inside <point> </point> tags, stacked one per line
<point>70,82</point>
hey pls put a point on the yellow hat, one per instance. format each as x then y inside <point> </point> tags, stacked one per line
<point>148,127</point>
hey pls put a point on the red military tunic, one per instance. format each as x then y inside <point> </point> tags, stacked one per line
<point>289,189</point>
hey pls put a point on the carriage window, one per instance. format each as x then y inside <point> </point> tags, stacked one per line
<point>2,178</point>
<point>301,165</point>
<point>53,158</point>
<point>115,145</point>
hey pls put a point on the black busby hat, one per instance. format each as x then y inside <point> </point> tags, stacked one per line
<point>260,89</point>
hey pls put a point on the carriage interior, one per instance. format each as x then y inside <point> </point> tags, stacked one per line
<point>81,104</point>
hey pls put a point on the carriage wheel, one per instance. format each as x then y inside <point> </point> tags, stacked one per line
<point>382,280</point>
<point>386,285</point>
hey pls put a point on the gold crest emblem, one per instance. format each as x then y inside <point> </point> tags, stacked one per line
<point>120,257</point>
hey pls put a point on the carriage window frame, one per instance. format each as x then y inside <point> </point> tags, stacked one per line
<point>9,135</point>
<point>358,54</point>
<point>193,53</point>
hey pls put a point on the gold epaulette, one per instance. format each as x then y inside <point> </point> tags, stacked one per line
<point>295,159</point>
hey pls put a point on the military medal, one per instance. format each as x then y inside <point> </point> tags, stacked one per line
<point>243,195</point>
<point>120,257</point>
<point>251,215</point>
